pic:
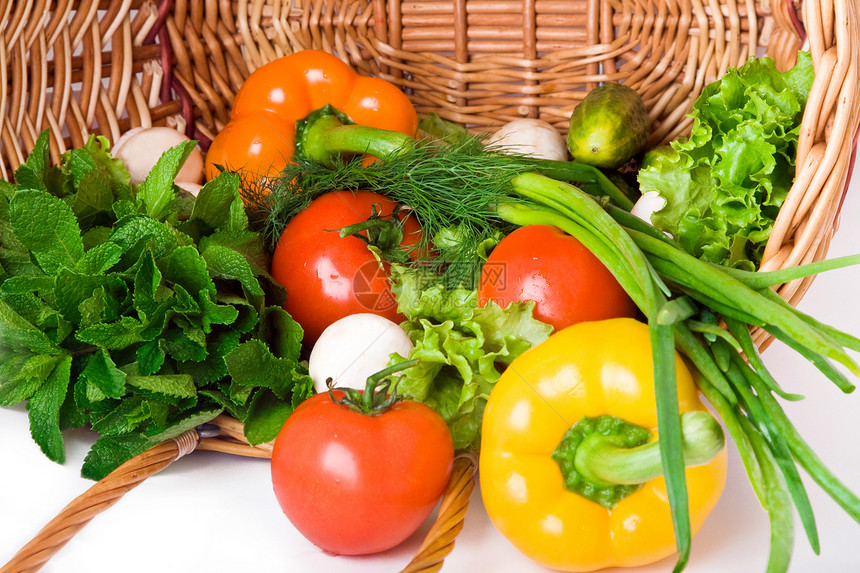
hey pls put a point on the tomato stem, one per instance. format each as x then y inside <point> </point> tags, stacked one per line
<point>606,458</point>
<point>384,233</point>
<point>375,399</point>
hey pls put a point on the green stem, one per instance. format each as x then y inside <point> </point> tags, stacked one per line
<point>742,335</point>
<point>326,133</point>
<point>602,461</point>
<point>582,173</point>
<point>375,399</point>
<point>740,375</point>
<point>721,286</point>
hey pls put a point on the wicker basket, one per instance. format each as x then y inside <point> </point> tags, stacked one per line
<point>105,66</point>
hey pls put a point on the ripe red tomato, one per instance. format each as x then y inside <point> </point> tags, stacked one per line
<point>354,484</point>
<point>544,264</point>
<point>328,278</point>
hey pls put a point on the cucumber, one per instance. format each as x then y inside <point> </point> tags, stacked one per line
<point>608,127</point>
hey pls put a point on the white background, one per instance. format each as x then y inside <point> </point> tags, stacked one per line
<point>217,513</point>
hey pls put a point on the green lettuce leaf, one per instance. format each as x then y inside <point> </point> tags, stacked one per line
<point>462,348</point>
<point>724,185</point>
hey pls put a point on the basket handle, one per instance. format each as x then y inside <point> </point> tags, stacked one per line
<point>102,495</point>
<point>452,511</point>
<point>224,434</point>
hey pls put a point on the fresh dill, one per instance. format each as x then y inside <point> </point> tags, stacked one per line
<point>452,188</point>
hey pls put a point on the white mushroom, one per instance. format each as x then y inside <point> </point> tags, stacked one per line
<point>353,348</point>
<point>533,137</point>
<point>140,149</point>
<point>193,188</point>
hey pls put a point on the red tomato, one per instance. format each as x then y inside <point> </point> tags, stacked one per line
<point>354,484</point>
<point>326,277</point>
<point>544,264</point>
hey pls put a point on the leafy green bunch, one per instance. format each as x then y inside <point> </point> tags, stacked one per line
<point>461,347</point>
<point>138,310</point>
<point>724,185</point>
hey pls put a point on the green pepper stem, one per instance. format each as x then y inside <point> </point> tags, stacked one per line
<point>326,134</point>
<point>600,460</point>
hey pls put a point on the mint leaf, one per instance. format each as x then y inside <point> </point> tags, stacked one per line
<point>24,376</point>
<point>249,244</point>
<point>99,259</point>
<point>280,332</point>
<point>72,289</point>
<point>17,333</point>
<point>94,199</point>
<point>95,155</point>
<point>214,313</point>
<point>238,220</point>
<point>150,357</point>
<point>212,207</point>
<point>125,418</point>
<point>252,364</point>
<point>266,416</point>
<point>109,452</point>
<point>134,233</point>
<point>170,388</point>
<point>156,192</point>
<point>186,267</point>
<point>214,367</point>
<point>47,227</point>
<point>44,407</point>
<point>185,344</point>
<point>146,283</point>
<point>100,307</point>
<point>22,284</point>
<point>103,373</point>
<point>226,263</point>
<point>30,174</point>
<point>115,335</point>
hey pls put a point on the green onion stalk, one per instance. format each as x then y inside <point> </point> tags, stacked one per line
<point>704,311</point>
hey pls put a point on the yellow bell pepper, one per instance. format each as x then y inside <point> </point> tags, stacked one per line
<point>591,385</point>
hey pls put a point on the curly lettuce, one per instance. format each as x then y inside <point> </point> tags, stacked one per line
<point>462,348</point>
<point>724,185</point>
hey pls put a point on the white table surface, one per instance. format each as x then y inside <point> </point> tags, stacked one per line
<point>217,513</point>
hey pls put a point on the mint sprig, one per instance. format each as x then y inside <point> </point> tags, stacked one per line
<point>124,309</point>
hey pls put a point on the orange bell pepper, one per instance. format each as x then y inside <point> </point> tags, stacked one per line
<point>259,139</point>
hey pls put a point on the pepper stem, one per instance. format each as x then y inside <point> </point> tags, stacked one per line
<point>327,133</point>
<point>605,463</point>
<point>605,458</point>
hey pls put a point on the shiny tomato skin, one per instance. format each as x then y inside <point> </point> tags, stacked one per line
<point>354,484</point>
<point>544,264</point>
<point>326,277</point>
<point>259,143</point>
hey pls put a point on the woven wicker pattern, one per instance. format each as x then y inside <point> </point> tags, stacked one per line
<point>75,69</point>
